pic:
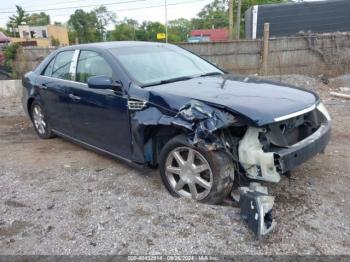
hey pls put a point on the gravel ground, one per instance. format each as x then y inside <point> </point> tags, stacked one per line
<point>59,198</point>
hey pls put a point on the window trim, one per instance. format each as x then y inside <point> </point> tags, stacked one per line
<point>74,66</point>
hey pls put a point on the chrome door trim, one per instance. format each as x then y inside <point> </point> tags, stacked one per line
<point>74,63</point>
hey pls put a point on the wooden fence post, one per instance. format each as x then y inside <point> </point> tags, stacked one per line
<point>266,48</point>
<point>230,18</point>
<point>238,24</point>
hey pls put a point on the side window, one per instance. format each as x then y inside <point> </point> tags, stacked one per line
<point>62,65</point>
<point>48,69</point>
<point>91,64</point>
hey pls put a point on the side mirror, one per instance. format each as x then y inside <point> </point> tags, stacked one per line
<point>104,82</point>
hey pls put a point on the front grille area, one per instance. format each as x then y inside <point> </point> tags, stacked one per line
<point>291,131</point>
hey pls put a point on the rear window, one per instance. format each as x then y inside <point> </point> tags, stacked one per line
<point>62,65</point>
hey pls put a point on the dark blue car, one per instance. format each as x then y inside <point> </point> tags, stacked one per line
<point>157,105</point>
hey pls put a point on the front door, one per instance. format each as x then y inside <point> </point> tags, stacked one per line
<point>99,117</point>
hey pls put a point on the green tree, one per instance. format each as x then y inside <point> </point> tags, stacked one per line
<point>84,26</point>
<point>213,15</point>
<point>148,30</point>
<point>125,30</point>
<point>55,42</point>
<point>248,3</point>
<point>10,52</point>
<point>39,19</point>
<point>72,36</point>
<point>6,31</point>
<point>179,30</point>
<point>21,17</point>
<point>104,17</point>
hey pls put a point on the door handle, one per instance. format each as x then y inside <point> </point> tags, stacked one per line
<point>73,97</point>
<point>42,86</point>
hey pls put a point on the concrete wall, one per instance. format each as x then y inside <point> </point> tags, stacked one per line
<point>10,88</point>
<point>29,57</point>
<point>312,55</point>
<point>242,56</point>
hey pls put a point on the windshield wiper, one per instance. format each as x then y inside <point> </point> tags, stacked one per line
<point>211,74</point>
<point>171,80</point>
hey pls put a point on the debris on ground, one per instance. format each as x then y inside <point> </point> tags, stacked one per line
<point>256,208</point>
<point>336,94</point>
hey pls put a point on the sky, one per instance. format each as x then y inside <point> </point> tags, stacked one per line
<point>141,10</point>
<point>137,9</point>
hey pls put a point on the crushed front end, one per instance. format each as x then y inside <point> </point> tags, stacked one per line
<point>266,153</point>
<point>259,153</point>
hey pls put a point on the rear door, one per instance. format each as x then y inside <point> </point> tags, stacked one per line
<point>99,117</point>
<point>53,85</point>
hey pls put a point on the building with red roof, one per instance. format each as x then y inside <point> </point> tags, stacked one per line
<point>209,35</point>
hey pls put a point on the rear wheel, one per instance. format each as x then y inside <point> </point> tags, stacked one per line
<point>41,126</point>
<point>194,172</point>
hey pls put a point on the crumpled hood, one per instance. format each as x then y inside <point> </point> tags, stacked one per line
<point>257,100</point>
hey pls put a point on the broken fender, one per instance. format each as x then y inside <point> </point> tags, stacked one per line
<point>198,119</point>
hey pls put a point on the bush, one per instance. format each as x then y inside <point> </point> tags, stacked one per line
<point>55,42</point>
<point>10,53</point>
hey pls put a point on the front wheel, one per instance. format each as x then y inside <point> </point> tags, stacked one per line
<point>194,172</point>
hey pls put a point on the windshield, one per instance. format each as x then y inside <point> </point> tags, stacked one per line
<point>152,65</point>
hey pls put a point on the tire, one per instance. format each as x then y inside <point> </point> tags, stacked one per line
<point>177,178</point>
<point>41,125</point>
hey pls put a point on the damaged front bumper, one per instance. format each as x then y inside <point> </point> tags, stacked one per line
<point>256,208</point>
<point>269,165</point>
<point>289,158</point>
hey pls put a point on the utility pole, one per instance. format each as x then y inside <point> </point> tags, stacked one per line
<point>166,20</point>
<point>238,29</point>
<point>266,48</point>
<point>230,18</point>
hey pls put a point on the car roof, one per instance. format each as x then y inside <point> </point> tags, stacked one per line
<point>101,46</point>
<point>116,44</point>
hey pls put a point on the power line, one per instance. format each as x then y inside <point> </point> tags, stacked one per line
<point>136,8</point>
<point>162,5</point>
<point>53,4</point>
<point>75,7</point>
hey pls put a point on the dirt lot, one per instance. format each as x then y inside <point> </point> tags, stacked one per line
<point>59,198</point>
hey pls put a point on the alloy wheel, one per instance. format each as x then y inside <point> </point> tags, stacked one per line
<point>39,121</point>
<point>189,173</point>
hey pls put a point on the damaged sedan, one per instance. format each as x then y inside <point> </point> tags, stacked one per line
<point>158,105</point>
